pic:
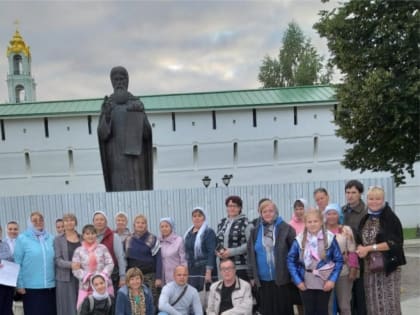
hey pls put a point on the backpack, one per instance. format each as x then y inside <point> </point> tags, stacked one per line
<point>92,304</point>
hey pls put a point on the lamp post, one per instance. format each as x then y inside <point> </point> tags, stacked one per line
<point>226,179</point>
<point>206,181</point>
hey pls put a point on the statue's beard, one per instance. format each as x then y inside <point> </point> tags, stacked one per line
<point>120,96</point>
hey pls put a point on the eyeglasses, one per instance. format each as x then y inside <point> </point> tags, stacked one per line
<point>227,269</point>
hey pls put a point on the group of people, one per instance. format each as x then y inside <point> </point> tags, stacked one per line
<point>320,261</point>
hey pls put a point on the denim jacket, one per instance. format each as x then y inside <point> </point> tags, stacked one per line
<point>297,267</point>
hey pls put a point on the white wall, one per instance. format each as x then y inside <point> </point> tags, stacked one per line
<point>258,161</point>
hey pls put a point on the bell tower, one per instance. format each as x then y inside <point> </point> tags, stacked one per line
<point>20,83</point>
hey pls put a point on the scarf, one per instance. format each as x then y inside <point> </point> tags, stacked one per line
<point>311,249</point>
<point>147,238</point>
<point>40,235</point>
<point>198,239</point>
<point>92,262</point>
<point>375,214</point>
<point>268,241</point>
<point>268,238</point>
<point>137,302</point>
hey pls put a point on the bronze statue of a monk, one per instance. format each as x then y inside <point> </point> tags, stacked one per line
<point>125,138</point>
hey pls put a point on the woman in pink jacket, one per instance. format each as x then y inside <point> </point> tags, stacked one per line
<point>171,248</point>
<point>92,258</point>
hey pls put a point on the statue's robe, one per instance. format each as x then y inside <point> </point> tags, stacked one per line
<point>125,143</point>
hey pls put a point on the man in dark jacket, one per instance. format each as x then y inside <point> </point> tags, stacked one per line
<point>354,210</point>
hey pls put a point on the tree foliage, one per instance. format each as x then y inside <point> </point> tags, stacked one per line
<point>375,43</point>
<point>298,63</point>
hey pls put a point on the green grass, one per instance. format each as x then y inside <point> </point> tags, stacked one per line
<point>409,233</point>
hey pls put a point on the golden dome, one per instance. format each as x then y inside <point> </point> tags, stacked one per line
<point>17,45</point>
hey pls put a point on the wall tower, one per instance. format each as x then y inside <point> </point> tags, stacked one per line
<point>20,83</point>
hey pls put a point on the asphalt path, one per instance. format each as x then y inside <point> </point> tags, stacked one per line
<point>410,279</point>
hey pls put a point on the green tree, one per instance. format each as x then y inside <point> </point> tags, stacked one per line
<point>376,46</point>
<point>298,63</point>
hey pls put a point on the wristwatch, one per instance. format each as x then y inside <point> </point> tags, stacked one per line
<point>374,247</point>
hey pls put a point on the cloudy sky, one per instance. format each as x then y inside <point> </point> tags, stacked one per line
<point>167,46</point>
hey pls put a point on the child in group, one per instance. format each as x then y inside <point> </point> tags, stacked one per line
<point>91,258</point>
<point>100,302</point>
<point>315,263</point>
<point>297,221</point>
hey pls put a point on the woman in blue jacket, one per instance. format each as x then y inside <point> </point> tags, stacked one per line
<point>200,247</point>
<point>34,252</point>
<point>315,263</point>
<point>134,297</point>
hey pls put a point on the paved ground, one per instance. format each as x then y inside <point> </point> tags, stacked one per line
<point>410,281</point>
<point>410,286</point>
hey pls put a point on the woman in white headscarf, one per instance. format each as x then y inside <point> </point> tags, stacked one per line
<point>34,252</point>
<point>171,249</point>
<point>200,246</point>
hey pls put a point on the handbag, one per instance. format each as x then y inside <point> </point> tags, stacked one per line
<point>376,262</point>
<point>325,271</point>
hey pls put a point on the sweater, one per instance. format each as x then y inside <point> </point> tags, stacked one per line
<point>144,252</point>
<point>233,234</point>
<point>189,301</point>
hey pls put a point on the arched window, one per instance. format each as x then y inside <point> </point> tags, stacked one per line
<point>20,93</point>
<point>17,64</point>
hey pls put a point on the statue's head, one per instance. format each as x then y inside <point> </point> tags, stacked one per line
<point>119,78</point>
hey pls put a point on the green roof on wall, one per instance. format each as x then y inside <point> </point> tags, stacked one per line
<point>305,95</point>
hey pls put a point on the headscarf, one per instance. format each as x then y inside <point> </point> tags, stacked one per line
<point>37,233</point>
<point>96,295</point>
<point>170,221</point>
<point>304,202</point>
<point>198,239</point>
<point>334,207</point>
<point>100,212</point>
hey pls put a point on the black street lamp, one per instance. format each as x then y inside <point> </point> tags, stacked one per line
<point>226,179</point>
<point>206,181</point>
